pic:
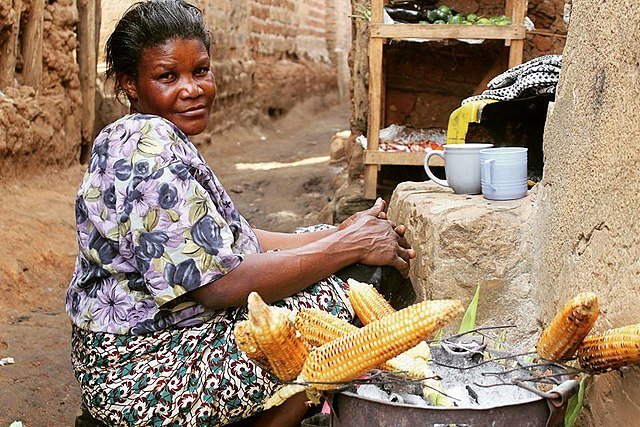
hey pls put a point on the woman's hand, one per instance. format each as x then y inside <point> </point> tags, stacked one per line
<point>381,242</point>
<point>375,211</point>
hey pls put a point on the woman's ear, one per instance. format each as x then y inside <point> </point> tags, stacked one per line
<point>128,85</point>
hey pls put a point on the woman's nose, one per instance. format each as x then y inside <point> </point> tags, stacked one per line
<point>191,89</point>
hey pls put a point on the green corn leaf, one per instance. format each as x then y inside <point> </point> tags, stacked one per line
<point>575,404</point>
<point>438,338</point>
<point>469,319</point>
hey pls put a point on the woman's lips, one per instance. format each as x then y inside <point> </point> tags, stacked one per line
<point>194,112</point>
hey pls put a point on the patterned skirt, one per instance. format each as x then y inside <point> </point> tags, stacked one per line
<point>192,376</point>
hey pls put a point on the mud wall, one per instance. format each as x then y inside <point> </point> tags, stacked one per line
<point>267,54</point>
<point>40,123</point>
<point>588,226</point>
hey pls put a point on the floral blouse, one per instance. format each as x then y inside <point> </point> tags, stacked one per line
<point>153,223</point>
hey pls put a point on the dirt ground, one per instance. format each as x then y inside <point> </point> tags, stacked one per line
<point>37,231</point>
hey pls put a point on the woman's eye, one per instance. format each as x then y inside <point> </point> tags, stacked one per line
<point>166,76</point>
<point>202,71</point>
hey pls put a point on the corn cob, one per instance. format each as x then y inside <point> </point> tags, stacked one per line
<point>346,358</point>
<point>367,302</point>
<point>277,338</point>
<point>611,349</point>
<point>319,327</point>
<point>562,337</point>
<point>247,343</point>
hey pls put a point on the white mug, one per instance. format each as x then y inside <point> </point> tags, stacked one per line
<point>504,173</point>
<point>461,167</point>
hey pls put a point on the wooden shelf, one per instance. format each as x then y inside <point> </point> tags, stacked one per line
<point>513,35</point>
<point>398,158</point>
<point>434,32</point>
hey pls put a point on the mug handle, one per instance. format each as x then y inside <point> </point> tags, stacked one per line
<point>486,165</point>
<point>430,174</point>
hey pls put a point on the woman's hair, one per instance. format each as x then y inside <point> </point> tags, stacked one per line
<point>148,24</point>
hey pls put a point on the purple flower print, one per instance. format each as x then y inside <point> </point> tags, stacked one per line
<point>99,155</point>
<point>167,195</point>
<point>180,170</point>
<point>206,234</point>
<point>107,250</point>
<point>141,198</point>
<point>109,197</point>
<point>151,245</point>
<point>141,311</point>
<point>141,168</point>
<point>81,211</point>
<point>112,304</point>
<point>122,169</point>
<point>137,282</point>
<point>185,274</point>
<point>125,136</point>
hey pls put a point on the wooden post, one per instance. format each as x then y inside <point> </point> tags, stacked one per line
<point>376,46</point>
<point>519,11</point>
<point>88,68</point>
<point>9,48</point>
<point>32,45</point>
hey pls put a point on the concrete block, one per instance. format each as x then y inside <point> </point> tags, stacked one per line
<point>465,241</point>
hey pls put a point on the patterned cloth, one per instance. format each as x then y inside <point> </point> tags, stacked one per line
<point>153,223</point>
<point>192,376</point>
<point>535,77</point>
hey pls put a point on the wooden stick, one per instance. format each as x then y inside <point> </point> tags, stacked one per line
<point>32,42</point>
<point>519,11</point>
<point>9,49</point>
<point>88,68</point>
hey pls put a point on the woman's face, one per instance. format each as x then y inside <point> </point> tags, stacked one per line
<point>175,82</point>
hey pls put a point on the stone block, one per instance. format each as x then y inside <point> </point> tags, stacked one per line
<point>465,241</point>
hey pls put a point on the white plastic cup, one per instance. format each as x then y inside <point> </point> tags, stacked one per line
<point>504,173</point>
<point>461,167</point>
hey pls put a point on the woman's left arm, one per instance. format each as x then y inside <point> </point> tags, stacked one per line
<point>270,240</point>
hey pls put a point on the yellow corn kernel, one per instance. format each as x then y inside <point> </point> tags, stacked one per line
<point>611,350</point>
<point>247,343</point>
<point>319,327</point>
<point>367,302</point>
<point>276,337</point>
<point>562,337</point>
<point>351,355</point>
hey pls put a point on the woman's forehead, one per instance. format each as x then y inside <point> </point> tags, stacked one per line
<point>176,50</point>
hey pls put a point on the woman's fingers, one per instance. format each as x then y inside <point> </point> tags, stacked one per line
<point>402,266</point>
<point>406,254</point>
<point>377,208</point>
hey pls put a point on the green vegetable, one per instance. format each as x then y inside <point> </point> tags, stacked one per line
<point>483,21</point>
<point>432,16</point>
<point>469,319</point>
<point>445,9</point>
<point>456,19</point>
<point>440,15</point>
<point>439,22</point>
<point>472,17</point>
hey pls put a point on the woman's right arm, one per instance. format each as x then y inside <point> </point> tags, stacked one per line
<point>276,275</point>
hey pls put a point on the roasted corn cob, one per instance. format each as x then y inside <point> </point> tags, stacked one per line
<point>319,327</point>
<point>367,302</point>
<point>611,349</point>
<point>346,358</point>
<point>247,343</point>
<point>562,337</point>
<point>277,338</point>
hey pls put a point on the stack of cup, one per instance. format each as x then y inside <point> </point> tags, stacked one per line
<point>497,173</point>
<point>504,173</point>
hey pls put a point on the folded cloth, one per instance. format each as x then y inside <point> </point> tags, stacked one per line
<point>535,77</point>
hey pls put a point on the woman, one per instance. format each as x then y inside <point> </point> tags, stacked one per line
<point>166,262</point>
